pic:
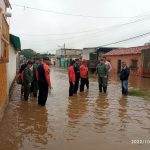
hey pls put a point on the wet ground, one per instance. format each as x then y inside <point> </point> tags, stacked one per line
<point>87,121</point>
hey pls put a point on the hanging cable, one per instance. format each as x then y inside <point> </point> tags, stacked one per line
<point>68,14</point>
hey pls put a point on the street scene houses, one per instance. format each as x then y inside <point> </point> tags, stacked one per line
<point>84,97</point>
<point>137,58</point>
<point>64,56</point>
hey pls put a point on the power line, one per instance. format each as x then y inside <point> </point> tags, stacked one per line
<point>97,30</point>
<point>131,38</point>
<point>89,34</point>
<point>68,14</point>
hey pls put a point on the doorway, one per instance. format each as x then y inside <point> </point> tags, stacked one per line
<point>119,66</point>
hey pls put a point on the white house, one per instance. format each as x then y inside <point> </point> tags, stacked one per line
<point>87,51</point>
<point>12,65</point>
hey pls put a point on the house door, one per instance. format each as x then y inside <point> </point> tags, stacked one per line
<point>119,66</point>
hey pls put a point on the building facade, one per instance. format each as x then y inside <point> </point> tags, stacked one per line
<point>65,56</point>
<point>4,55</point>
<point>13,64</point>
<point>132,56</point>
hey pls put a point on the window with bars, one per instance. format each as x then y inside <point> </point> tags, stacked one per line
<point>134,64</point>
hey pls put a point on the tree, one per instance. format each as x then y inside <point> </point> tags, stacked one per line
<point>28,53</point>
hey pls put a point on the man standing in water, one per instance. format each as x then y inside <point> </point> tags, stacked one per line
<point>102,72</point>
<point>84,76</point>
<point>35,81</point>
<point>108,64</point>
<point>124,75</point>
<point>77,72</point>
<point>72,78</point>
<point>27,79</point>
<point>43,76</point>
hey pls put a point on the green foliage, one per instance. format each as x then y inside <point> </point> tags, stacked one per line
<point>139,93</point>
<point>28,53</point>
<point>31,54</point>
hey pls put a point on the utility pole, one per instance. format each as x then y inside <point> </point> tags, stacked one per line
<point>64,50</point>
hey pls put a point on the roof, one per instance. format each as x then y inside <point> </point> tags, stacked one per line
<point>15,42</point>
<point>100,49</point>
<point>7,3</point>
<point>127,51</point>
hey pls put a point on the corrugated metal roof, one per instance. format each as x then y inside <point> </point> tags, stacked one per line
<point>15,41</point>
<point>127,51</point>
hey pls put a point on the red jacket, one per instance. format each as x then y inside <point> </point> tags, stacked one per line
<point>71,74</point>
<point>83,71</point>
<point>47,74</point>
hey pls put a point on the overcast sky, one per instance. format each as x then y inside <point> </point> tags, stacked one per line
<point>45,31</point>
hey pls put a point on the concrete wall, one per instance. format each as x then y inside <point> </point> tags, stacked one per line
<point>11,67</point>
<point>3,88</point>
<point>86,52</point>
<point>3,75</point>
<point>68,52</point>
<point>128,59</point>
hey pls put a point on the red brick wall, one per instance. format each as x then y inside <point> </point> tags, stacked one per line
<point>128,59</point>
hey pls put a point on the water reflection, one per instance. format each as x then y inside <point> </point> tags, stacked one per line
<point>122,112</point>
<point>33,122</point>
<point>77,107</point>
<point>101,113</point>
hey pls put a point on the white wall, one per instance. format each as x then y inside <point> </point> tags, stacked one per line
<point>11,66</point>
<point>85,53</point>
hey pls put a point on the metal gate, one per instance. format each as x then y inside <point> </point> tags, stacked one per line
<point>146,63</point>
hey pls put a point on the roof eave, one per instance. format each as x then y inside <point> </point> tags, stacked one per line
<point>8,5</point>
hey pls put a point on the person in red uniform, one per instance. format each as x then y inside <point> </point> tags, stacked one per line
<point>44,82</point>
<point>72,78</point>
<point>84,76</point>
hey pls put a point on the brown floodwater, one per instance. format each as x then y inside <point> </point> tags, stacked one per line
<point>86,121</point>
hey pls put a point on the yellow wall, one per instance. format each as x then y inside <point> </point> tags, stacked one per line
<point>3,76</point>
<point>3,84</point>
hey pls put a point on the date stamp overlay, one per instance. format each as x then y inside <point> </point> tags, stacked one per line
<point>140,141</point>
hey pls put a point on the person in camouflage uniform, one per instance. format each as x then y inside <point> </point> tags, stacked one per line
<point>34,79</point>
<point>27,79</point>
<point>102,72</point>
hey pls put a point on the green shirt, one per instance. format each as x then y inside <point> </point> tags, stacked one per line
<point>102,70</point>
<point>27,76</point>
<point>34,72</point>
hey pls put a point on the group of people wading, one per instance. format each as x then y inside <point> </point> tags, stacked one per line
<point>78,71</point>
<point>35,77</point>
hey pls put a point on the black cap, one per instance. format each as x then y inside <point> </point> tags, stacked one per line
<point>46,58</point>
<point>30,62</point>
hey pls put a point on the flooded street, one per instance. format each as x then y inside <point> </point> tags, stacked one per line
<point>86,121</point>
